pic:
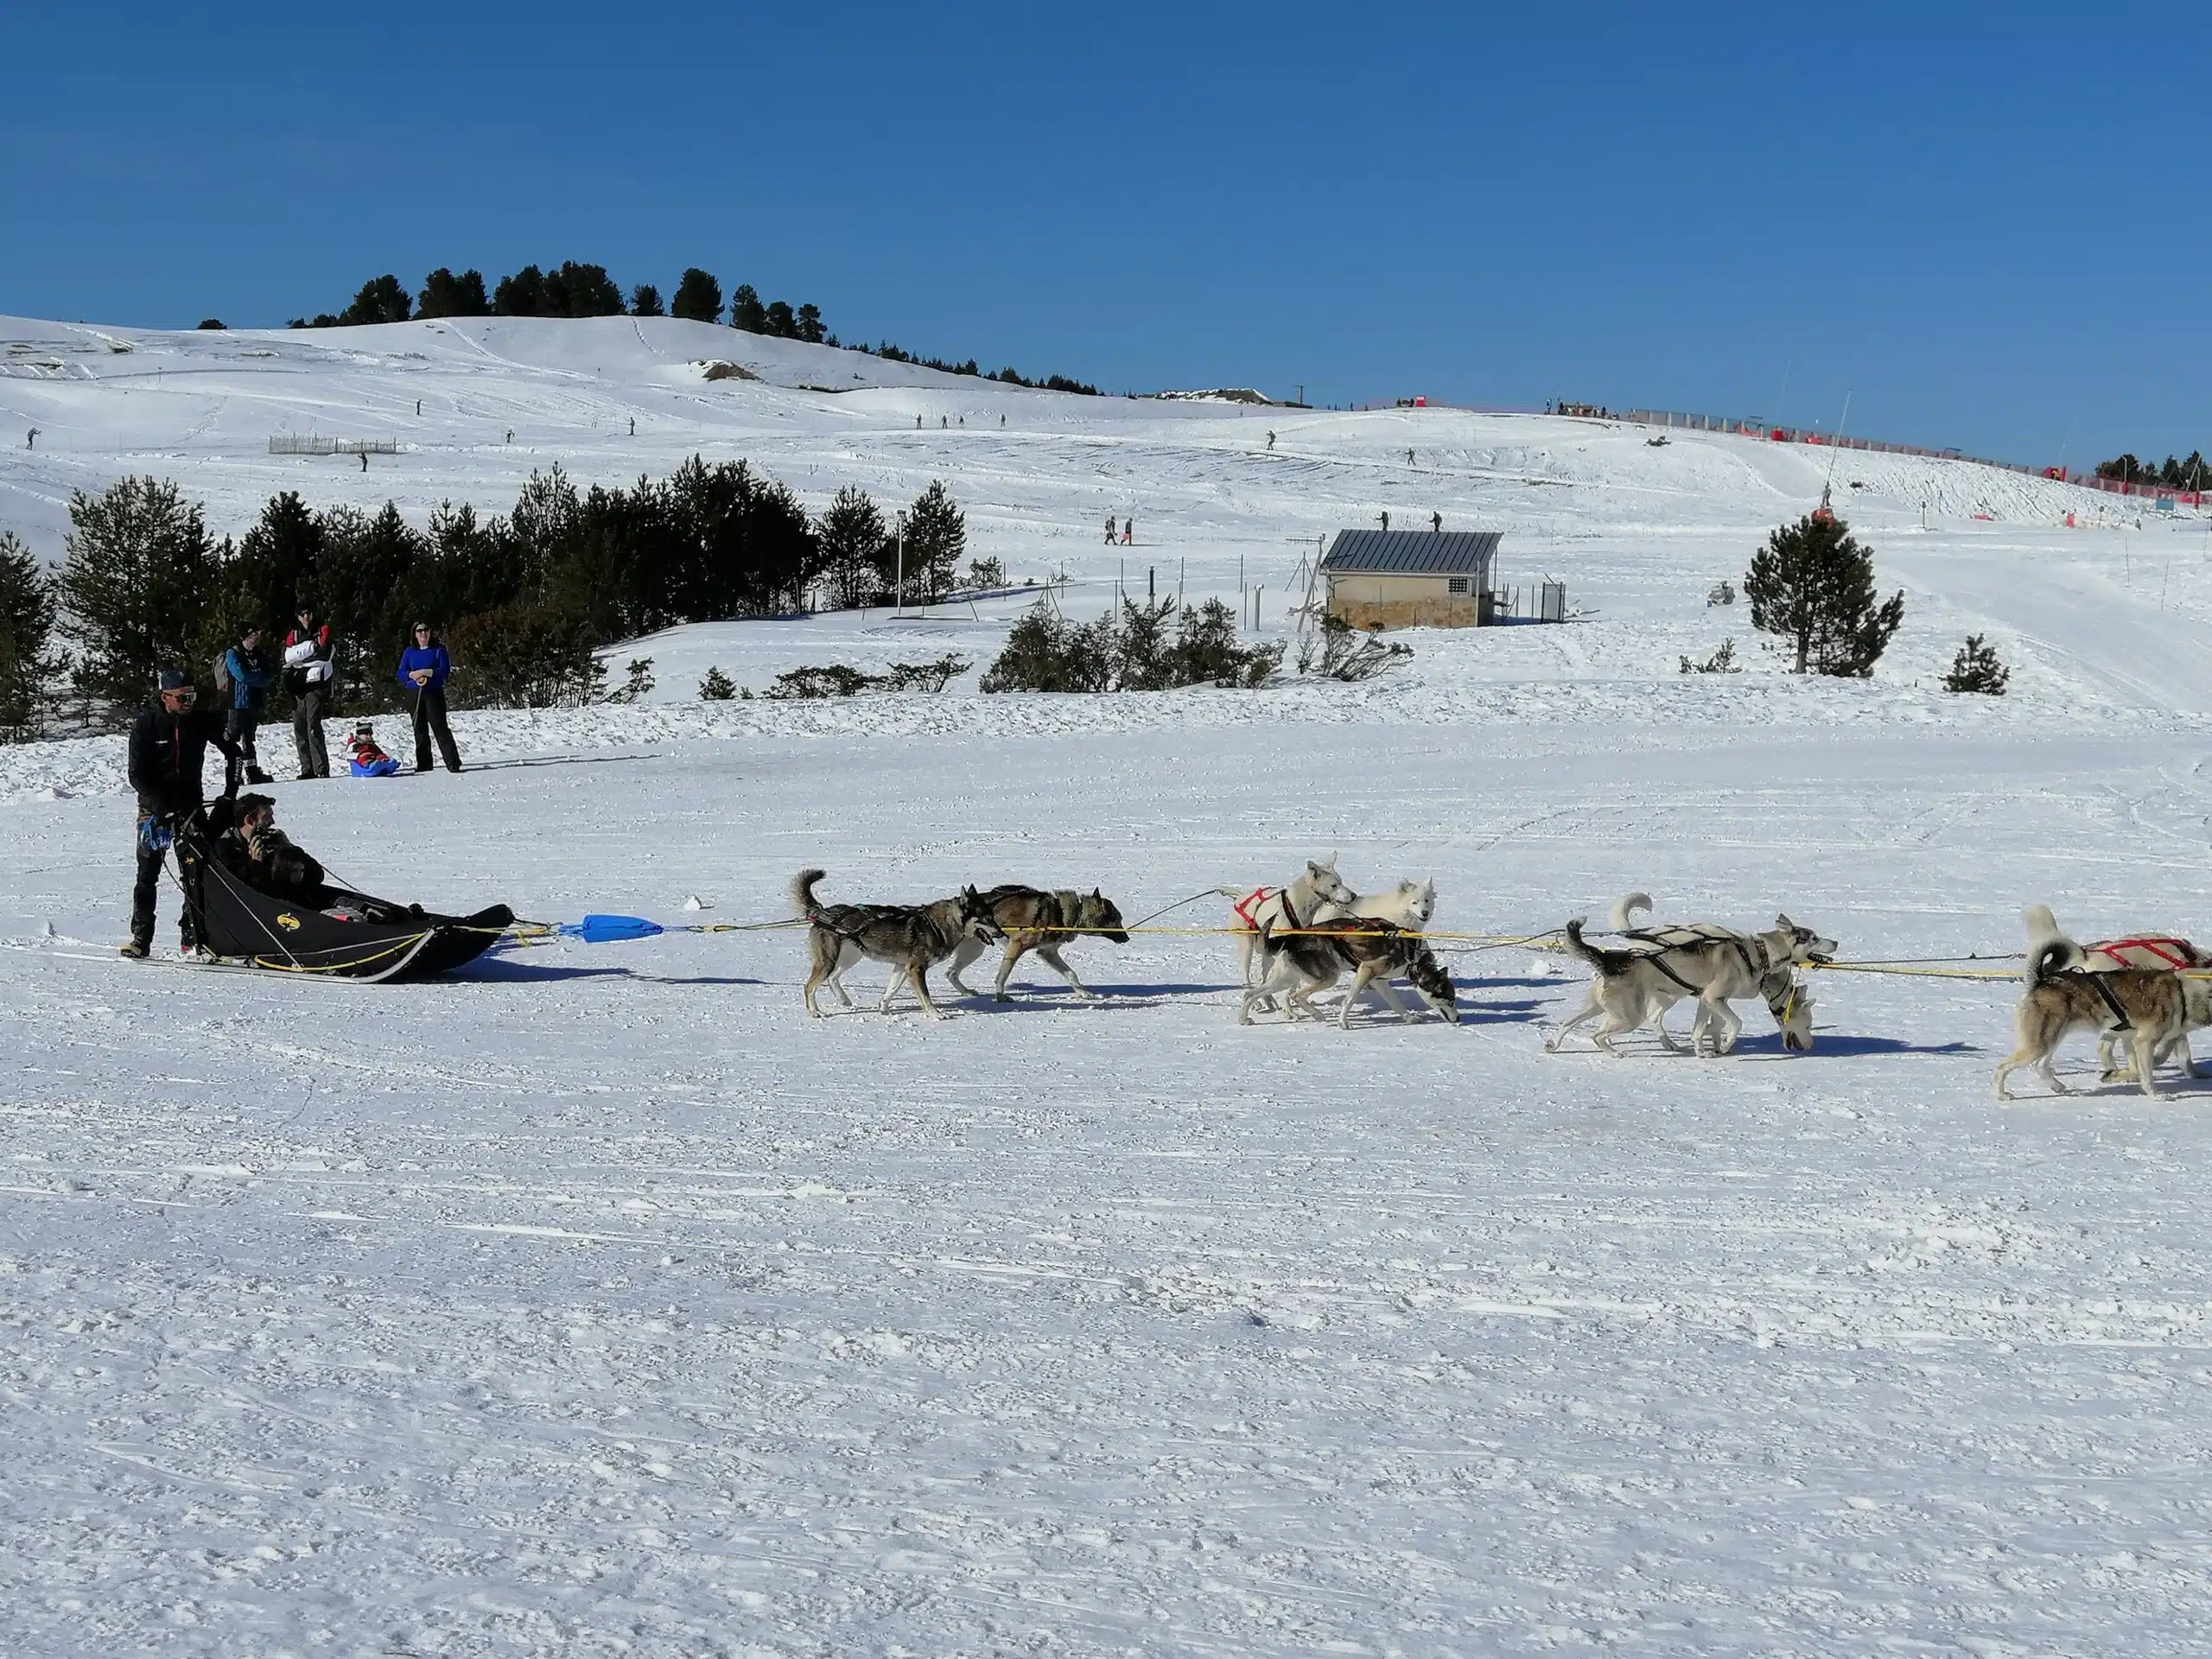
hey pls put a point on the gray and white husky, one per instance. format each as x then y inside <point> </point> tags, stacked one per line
<point>2150,1008</point>
<point>1299,961</point>
<point>1039,919</point>
<point>1661,966</point>
<point>1298,902</point>
<point>910,937</point>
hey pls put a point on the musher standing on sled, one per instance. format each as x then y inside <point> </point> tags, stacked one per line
<point>169,748</point>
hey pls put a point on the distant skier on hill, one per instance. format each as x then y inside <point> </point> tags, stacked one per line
<point>1436,522</point>
<point>1109,529</point>
<point>1385,517</point>
<point>1271,440</point>
<point>1128,532</point>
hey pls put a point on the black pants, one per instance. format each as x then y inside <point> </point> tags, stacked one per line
<point>141,902</point>
<point>429,717</point>
<point>307,731</point>
<point>239,726</point>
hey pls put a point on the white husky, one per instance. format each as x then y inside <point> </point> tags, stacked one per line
<point>1296,904</point>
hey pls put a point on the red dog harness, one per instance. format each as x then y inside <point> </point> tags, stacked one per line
<point>1242,908</point>
<point>2173,952</point>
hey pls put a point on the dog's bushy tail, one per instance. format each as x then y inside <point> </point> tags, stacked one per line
<point>2056,953</point>
<point>801,891</point>
<point>1609,963</point>
<point>2042,925</point>
<point>1624,909</point>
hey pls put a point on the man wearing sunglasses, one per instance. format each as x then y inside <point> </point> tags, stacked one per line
<point>168,751</point>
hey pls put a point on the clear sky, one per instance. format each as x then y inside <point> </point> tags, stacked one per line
<point>1986,224</point>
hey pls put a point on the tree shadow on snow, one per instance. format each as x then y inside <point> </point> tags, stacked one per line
<point>553,761</point>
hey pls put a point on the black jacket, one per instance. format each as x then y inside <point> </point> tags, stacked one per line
<point>167,753</point>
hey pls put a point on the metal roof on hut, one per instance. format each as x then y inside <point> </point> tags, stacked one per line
<point>1413,553</point>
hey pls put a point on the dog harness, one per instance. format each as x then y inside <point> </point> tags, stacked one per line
<point>2172,952</point>
<point>1242,908</point>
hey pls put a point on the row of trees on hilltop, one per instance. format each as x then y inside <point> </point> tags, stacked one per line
<point>2176,474</point>
<point>571,289</point>
<point>524,598</point>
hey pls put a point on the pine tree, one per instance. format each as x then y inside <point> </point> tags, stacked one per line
<point>381,299</point>
<point>1814,585</point>
<point>781,321</point>
<point>716,686</point>
<point>1976,668</point>
<point>936,538</point>
<point>26,629</point>
<point>522,294</point>
<point>746,312</point>
<point>445,294</point>
<point>853,552</point>
<point>698,296</point>
<point>577,290</point>
<point>645,301</point>
<point>137,574</point>
<point>275,568</point>
<point>809,324</point>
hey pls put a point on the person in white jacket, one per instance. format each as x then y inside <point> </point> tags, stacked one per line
<point>308,649</point>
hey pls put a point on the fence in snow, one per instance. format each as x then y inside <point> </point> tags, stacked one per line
<point>304,444</point>
<point>1756,429</point>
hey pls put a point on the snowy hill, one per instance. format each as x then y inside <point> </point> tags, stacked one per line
<point>597,1300</point>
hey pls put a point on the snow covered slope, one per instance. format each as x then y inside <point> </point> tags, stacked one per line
<point>597,1301</point>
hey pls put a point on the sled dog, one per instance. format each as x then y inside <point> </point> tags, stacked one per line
<point>2149,1008</point>
<point>1409,904</point>
<point>1291,905</point>
<point>1031,919</point>
<point>1636,986</point>
<point>910,937</point>
<point>2156,951</point>
<point>1302,961</point>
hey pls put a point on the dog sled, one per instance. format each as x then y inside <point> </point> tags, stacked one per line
<point>349,936</point>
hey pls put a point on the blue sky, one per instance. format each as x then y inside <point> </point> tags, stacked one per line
<point>1956,215</point>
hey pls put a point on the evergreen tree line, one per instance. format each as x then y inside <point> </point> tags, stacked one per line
<point>571,289</point>
<point>2176,474</point>
<point>525,600</point>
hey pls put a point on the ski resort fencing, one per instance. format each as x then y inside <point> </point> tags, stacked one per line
<point>1750,427</point>
<point>303,443</point>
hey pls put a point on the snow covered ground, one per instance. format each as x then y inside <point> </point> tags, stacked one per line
<point>595,1300</point>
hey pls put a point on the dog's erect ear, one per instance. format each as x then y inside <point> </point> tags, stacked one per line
<point>1099,896</point>
<point>1784,923</point>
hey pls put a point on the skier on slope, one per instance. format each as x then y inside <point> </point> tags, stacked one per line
<point>1109,529</point>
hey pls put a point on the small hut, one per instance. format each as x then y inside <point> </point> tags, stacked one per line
<point>1411,578</point>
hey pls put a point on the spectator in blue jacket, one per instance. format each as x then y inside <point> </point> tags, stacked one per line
<point>249,674</point>
<point>423,667</point>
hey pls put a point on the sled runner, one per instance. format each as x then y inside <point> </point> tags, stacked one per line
<point>351,935</point>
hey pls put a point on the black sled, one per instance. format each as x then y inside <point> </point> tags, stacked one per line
<point>373,939</point>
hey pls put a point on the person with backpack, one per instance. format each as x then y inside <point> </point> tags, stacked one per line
<point>243,676</point>
<point>423,668</point>
<point>167,754</point>
<point>310,650</point>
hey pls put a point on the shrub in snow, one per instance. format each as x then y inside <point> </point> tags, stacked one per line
<point>1722,661</point>
<point>1976,668</point>
<point>1130,650</point>
<point>637,684</point>
<point>1814,585</point>
<point>1343,652</point>
<point>836,680</point>
<point>716,686</point>
<point>525,656</point>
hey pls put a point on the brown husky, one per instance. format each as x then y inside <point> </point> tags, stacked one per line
<point>2149,1008</point>
<point>1032,919</point>
<point>908,936</point>
<point>1313,958</point>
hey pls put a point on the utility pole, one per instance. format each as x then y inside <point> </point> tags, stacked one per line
<point>899,590</point>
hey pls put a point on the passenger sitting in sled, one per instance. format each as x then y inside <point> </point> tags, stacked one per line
<point>367,759</point>
<point>263,856</point>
